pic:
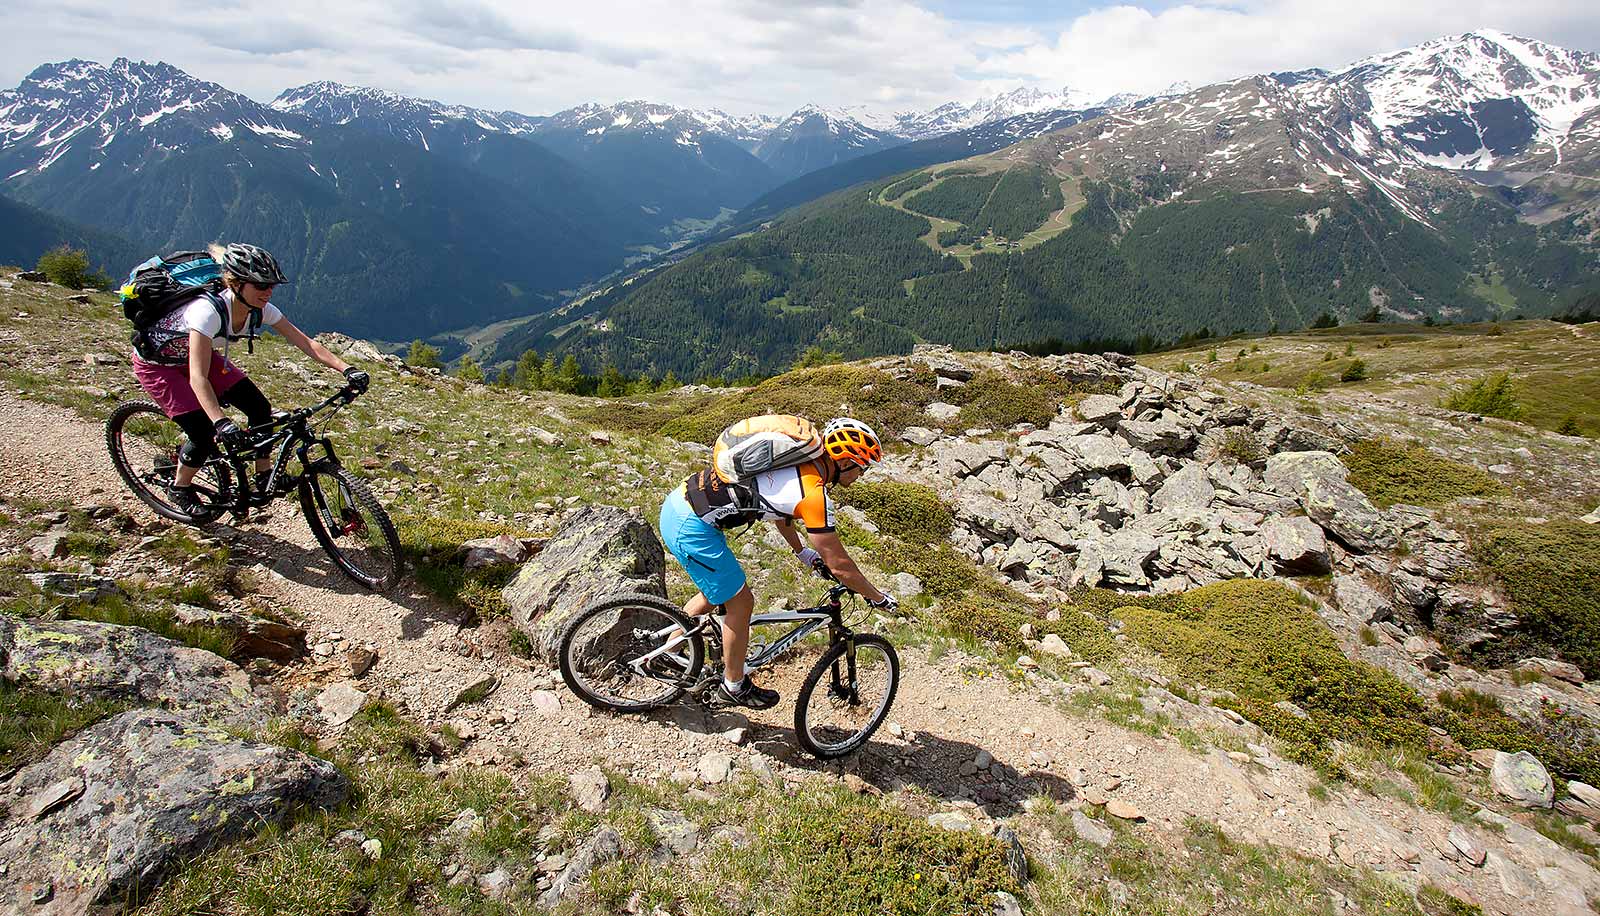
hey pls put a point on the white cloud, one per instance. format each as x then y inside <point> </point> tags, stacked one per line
<point>743,55</point>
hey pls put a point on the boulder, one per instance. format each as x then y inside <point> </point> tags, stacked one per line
<point>1296,546</point>
<point>920,435</point>
<point>112,810</point>
<point>1100,408</point>
<point>106,661</point>
<point>1359,600</point>
<point>939,410</point>
<point>1016,856</point>
<point>1119,558</point>
<point>590,789</point>
<point>1091,830</point>
<point>962,459</point>
<point>1098,454</point>
<point>600,552</point>
<point>1188,489</point>
<point>501,550</point>
<point>1157,437</point>
<point>253,637</point>
<point>1550,668</point>
<point>1521,778</point>
<point>1319,481</point>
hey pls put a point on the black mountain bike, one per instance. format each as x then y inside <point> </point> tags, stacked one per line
<point>346,518</point>
<point>637,652</point>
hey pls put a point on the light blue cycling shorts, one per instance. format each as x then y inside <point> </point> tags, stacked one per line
<point>702,550</point>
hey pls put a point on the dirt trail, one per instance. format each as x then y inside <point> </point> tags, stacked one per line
<point>943,717</point>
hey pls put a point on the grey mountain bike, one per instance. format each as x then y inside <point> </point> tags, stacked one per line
<point>638,652</point>
<point>347,520</point>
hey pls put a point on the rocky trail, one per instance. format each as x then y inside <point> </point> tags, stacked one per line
<point>978,745</point>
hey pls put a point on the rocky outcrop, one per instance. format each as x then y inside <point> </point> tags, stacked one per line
<point>600,551</point>
<point>253,636</point>
<point>110,812</point>
<point>107,661</point>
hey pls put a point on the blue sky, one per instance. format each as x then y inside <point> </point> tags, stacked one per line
<point>747,56</point>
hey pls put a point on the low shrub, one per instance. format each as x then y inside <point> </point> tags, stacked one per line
<point>69,267</point>
<point>1265,643</point>
<point>1241,444</point>
<point>887,404</point>
<point>1551,572</point>
<point>843,854</point>
<point>908,511</point>
<point>995,401</point>
<point>433,547</point>
<point>1490,396</point>
<point>1355,372</point>
<point>1476,720</point>
<point>1391,472</point>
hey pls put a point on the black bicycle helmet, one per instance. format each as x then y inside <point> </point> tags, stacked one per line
<point>252,264</point>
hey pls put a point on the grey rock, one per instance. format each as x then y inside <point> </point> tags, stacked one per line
<point>1016,856</point>
<point>1052,644</point>
<point>920,435</point>
<point>359,661</point>
<point>1463,843</point>
<point>951,820</point>
<point>1592,518</point>
<point>1585,793</point>
<point>1098,454</point>
<point>1291,709</point>
<point>678,835</point>
<point>1091,830</point>
<point>715,767</point>
<point>1189,489</point>
<point>590,788</point>
<point>1006,904</point>
<point>905,585</point>
<point>600,551</point>
<point>605,847</point>
<point>48,546</point>
<point>939,410</point>
<point>340,702</point>
<point>1360,600</point>
<point>253,637</point>
<point>1100,408</point>
<point>497,884</point>
<point>731,835</point>
<point>963,459</point>
<point>474,691</point>
<point>157,790</point>
<point>73,586</point>
<point>501,550</point>
<point>1521,778</point>
<point>544,436</point>
<point>1157,437</point>
<point>107,661</point>
<point>1550,668</point>
<point>1296,545</point>
<point>1319,481</point>
<point>1414,590</point>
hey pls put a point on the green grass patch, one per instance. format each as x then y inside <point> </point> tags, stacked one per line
<point>32,721</point>
<point>1390,472</point>
<point>1551,572</point>
<point>433,545</point>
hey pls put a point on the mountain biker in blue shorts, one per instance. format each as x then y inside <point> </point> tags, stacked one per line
<point>694,516</point>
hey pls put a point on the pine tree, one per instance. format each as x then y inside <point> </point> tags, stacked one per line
<point>612,383</point>
<point>469,370</point>
<point>569,378</point>
<point>669,382</point>
<point>423,355</point>
<point>530,371</point>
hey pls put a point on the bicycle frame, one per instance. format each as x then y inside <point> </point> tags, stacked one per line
<point>808,620</point>
<point>288,432</point>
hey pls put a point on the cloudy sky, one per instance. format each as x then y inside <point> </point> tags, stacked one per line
<point>748,56</point>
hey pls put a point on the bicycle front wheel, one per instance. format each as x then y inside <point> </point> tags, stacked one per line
<point>846,696</point>
<point>351,526</point>
<point>144,444</point>
<point>629,654</point>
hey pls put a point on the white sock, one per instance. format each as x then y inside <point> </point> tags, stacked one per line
<point>732,687</point>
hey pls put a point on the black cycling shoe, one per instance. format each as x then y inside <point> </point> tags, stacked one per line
<point>748,694</point>
<point>187,501</point>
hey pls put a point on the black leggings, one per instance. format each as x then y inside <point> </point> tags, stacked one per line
<point>202,433</point>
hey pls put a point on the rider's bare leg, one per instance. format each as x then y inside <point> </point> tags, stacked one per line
<point>735,628</point>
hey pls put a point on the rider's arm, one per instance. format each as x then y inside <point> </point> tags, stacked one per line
<point>839,563</point>
<point>308,346</point>
<point>790,535</point>
<point>200,375</point>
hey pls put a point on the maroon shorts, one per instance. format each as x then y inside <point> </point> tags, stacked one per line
<point>169,386</point>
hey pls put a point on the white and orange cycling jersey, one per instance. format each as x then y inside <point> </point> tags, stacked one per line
<point>797,493</point>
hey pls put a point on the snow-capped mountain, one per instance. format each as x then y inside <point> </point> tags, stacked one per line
<point>953,116</point>
<point>82,115</point>
<point>1475,101</point>
<point>404,117</point>
<point>815,137</point>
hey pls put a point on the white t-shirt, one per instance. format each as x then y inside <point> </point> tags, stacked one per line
<point>200,315</point>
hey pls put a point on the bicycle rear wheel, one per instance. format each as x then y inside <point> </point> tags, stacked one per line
<point>846,696</point>
<point>351,526</point>
<point>144,444</point>
<point>613,654</point>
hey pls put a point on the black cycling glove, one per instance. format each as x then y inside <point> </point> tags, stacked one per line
<point>229,433</point>
<point>358,379</point>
